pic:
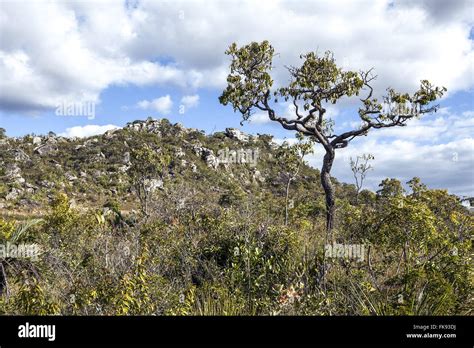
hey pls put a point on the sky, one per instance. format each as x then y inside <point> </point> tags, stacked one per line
<point>80,68</point>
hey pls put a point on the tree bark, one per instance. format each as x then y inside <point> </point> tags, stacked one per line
<point>328,190</point>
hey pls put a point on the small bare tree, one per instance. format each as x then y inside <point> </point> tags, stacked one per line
<point>148,170</point>
<point>360,167</point>
<point>291,158</point>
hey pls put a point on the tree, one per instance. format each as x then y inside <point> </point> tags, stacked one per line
<point>291,158</point>
<point>390,188</point>
<point>416,186</point>
<point>315,83</point>
<point>2,133</point>
<point>360,168</point>
<point>148,170</point>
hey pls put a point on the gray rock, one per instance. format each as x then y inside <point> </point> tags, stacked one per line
<point>110,133</point>
<point>211,160</point>
<point>28,185</point>
<point>257,176</point>
<point>12,171</point>
<point>234,133</point>
<point>123,168</point>
<point>126,158</point>
<point>179,153</point>
<point>62,139</point>
<point>98,157</point>
<point>45,149</point>
<point>97,173</point>
<point>207,155</point>
<point>151,185</point>
<point>151,125</point>
<point>179,127</point>
<point>36,140</point>
<point>19,155</point>
<point>90,142</point>
<point>30,188</point>
<point>70,176</point>
<point>197,148</point>
<point>13,194</point>
<point>46,184</point>
<point>51,140</point>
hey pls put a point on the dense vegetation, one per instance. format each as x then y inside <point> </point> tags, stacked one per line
<point>145,220</point>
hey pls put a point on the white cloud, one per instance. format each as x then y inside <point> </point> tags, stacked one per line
<point>84,47</point>
<point>87,131</point>
<point>439,150</point>
<point>290,141</point>
<point>260,118</point>
<point>190,101</point>
<point>162,105</point>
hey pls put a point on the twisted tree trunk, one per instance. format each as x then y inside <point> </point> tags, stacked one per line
<point>328,190</point>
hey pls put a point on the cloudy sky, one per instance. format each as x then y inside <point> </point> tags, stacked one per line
<point>134,59</point>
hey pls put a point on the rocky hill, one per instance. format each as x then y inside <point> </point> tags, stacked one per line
<point>95,169</point>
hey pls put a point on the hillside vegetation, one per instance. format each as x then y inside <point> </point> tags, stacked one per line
<point>148,220</point>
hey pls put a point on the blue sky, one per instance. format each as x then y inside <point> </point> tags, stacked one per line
<point>155,57</point>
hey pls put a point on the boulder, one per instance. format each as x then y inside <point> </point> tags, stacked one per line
<point>126,158</point>
<point>70,176</point>
<point>46,184</point>
<point>234,133</point>
<point>110,133</point>
<point>19,155</point>
<point>13,194</point>
<point>211,160</point>
<point>45,149</point>
<point>151,185</point>
<point>12,171</point>
<point>36,140</point>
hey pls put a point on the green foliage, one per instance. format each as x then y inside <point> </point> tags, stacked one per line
<point>62,217</point>
<point>249,80</point>
<point>31,299</point>
<point>237,260</point>
<point>390,188</point>
<point>7,229</point>
<point>134,295</point>
<point>322,76</point>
